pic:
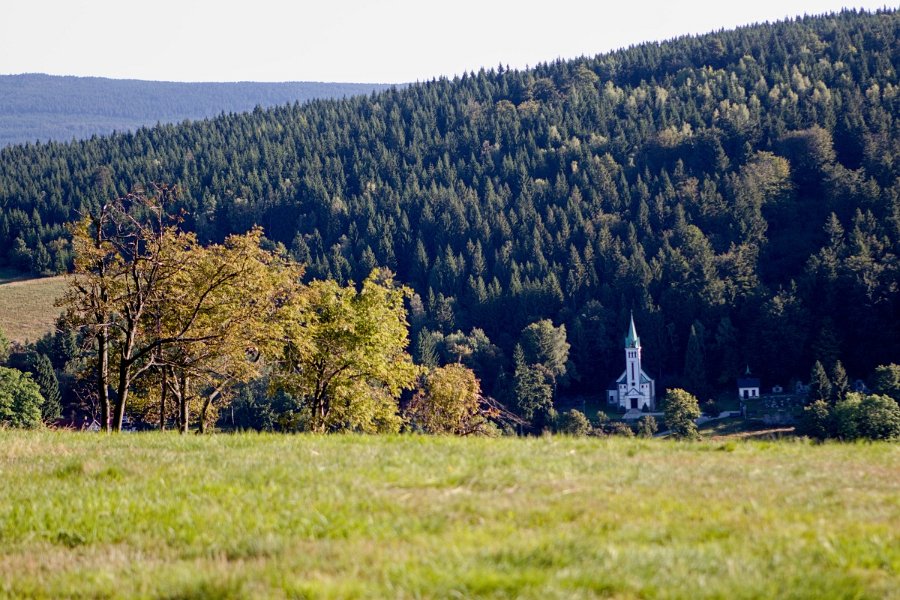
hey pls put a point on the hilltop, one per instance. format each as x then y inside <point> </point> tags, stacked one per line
<point>737,191</point>
<point>38,107</point>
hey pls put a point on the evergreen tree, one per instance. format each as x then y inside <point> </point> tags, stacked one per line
<point>728,352</point>
<point>44,375</point>
<point>695,365</point>
<point>840,385</point>
<point>819,384</point>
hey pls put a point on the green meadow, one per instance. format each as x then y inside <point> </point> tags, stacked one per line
<point>26,305</point>
<point>232,516</point>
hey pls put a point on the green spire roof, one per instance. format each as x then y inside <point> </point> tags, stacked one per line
<point>632,340</point>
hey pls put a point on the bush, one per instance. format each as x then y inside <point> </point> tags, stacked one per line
<point>574,422</point>
<point>647,426</point>
<point>887,381</point>
<point>816,421</point>
<point>620,428</point>
<point>845,417</point>
<point>20,399</point>
<point>855,417</point>
<point>879,418</point>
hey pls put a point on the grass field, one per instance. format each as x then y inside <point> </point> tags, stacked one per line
<point>26,306</point>
<point>158,515</point>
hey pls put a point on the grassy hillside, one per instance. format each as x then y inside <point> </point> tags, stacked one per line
<point>297,516</point>
<point>47,107</point>
<point>26,306</point>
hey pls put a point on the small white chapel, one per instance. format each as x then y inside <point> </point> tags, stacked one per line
<point>634,389</point>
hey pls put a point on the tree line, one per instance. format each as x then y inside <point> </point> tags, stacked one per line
<point>169,331</point>
<point>738,191</point>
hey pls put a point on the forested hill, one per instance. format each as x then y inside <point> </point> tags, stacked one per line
<point>738,191</point>
<point>36,107</point>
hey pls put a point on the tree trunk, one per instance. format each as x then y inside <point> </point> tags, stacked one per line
<point>163,395</point>
<point>185,412</point>
<point>125,363</point>
<point>203,409</point>
<point>103,379</point>
<point>122,395</point>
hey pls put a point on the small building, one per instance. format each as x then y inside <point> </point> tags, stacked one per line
<point>777,389</point>
<point>748,386</point>
<point>634,389</point>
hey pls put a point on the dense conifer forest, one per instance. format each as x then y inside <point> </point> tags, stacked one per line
<point>737,191</point>
<point>37,107</point>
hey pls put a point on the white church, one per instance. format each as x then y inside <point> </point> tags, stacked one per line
<point>634,389</point>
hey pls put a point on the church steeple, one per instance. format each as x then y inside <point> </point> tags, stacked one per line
<point>631,339</point>
<point>634,390</point>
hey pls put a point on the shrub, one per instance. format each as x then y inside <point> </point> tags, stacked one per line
<point>574,422</point>
<point>887,381</point>
<point>845,417</point>
<point>620,428</point>
<point>816,420</point>
<point>879,418</point>
<point>856,416</point>
<point>647,426</point>
<point>20,399</point>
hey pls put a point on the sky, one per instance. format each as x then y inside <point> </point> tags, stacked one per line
<point>386,41</point>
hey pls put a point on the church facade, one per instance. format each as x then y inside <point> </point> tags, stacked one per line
<point>634,389</point>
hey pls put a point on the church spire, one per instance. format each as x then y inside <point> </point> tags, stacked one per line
<point>632,340</point>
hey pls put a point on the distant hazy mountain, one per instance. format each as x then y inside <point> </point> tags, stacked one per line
<point>36,107</point>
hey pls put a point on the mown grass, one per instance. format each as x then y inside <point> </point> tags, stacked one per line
<point>26,306</point>
<point>158,515</point>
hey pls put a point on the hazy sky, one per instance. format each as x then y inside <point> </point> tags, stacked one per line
<point>346,40</point>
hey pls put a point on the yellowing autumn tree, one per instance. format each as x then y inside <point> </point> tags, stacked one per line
<point>450,402</point>
<point>345,357</point>
<point>239,320</point>
<point>156,302</point>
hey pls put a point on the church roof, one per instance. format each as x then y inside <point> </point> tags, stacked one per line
<point>748,380</point>
<point>624,376</point>
<point>631,339</point>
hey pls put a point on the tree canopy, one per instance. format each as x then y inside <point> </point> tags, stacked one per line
<point>345,357</point>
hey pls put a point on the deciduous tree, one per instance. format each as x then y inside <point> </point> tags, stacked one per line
<point>450,402</point>
<point>681,408</point>
<point>345,356</point>
<point>20,399</point>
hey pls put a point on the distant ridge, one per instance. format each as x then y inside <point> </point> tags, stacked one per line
<point>38,107</point>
